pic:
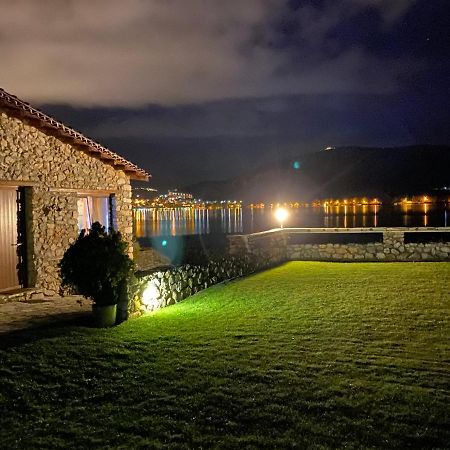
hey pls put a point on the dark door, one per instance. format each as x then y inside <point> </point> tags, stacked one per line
<point>9,258</point>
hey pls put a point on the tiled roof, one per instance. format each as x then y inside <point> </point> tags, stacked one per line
<point>21,109</point>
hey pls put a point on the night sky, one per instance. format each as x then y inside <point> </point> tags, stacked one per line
<point>195,90</point>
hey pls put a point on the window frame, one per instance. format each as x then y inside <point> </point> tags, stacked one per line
<point>110,196</point>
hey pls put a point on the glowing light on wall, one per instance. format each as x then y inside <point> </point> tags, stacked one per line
<point>150,296</point>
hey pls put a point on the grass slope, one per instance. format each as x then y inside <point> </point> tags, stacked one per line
<point>308,354</point>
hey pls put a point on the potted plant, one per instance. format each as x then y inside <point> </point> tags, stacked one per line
<point>96,266</point>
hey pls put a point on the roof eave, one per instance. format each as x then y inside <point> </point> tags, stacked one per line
<point>20,109</point>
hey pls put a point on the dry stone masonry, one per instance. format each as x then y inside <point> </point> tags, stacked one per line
<point>160,287</point>
<point>156,287</point>
<point>55,173</point>
<point>268,247</point>
<point>276,243</point>
<point>149,258</point>
<point>163,287</point>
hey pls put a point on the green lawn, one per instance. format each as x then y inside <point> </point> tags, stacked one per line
<point>308,354</point>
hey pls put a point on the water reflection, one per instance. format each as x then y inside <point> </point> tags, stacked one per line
<point>185,221</point>
<point>345,216</point>
<point>407,215</point>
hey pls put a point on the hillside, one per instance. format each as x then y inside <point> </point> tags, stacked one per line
<point>341,172</point>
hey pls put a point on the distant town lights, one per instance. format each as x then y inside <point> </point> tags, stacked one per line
<point>281,214</point>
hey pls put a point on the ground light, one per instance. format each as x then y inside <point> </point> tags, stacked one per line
<point>281,214</point>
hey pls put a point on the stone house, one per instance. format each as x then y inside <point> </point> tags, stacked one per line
<point>53,182</point>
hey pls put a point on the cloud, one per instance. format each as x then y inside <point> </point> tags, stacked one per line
<point>135,52</point>
<point>389,10</point>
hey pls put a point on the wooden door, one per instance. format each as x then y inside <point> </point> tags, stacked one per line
<point>9,258</point>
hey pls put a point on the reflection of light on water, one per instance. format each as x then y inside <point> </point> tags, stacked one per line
<point>140,218</point>
<point>154,219</point>
<point>238,213</point>
<point>364,215</point>
<point>173,228</point>
<point>408,215</point>
<point>405,213</point>
<point>182,221</point>
<point>348,216</point>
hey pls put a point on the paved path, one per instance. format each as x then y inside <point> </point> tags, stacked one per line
<point>16,316</point>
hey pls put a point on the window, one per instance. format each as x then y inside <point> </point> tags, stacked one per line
<point>96,209</point>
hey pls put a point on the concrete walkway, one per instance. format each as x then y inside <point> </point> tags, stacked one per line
<point>15,316</point>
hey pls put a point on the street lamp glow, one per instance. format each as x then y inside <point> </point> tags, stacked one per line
<point>281,214</point>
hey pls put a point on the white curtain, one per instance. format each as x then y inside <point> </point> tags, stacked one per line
<point>93,209</point>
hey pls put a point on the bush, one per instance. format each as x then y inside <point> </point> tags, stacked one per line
<point>96,265</point>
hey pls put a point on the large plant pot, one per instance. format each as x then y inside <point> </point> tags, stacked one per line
<point>104,316</point>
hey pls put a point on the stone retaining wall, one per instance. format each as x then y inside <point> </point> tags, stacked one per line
<point>171,285</point>
<point>393,248</point>
<point>276,244</point>
<point>149,259</point>
<point>269,247</point>
<point>259,251</point>
<point>152,291</point>
<point>370,252</point>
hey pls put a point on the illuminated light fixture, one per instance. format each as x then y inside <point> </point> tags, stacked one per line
<point>164,243</point>
<point>150,296</point>
<point>281,214</point>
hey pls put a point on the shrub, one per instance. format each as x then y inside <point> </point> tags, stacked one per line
<point>96,265</point>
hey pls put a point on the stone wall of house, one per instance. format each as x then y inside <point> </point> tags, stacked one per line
<point>276,245</point>
<point>56,172</point>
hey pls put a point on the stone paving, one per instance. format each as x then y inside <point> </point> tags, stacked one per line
<point>19,315</point>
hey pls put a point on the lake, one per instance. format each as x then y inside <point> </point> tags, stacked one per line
<point>150,222</point>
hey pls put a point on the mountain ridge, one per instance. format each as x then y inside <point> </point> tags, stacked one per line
<point>346,171</point>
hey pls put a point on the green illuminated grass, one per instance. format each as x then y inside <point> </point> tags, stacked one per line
<point>313,355</point>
